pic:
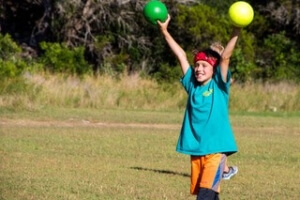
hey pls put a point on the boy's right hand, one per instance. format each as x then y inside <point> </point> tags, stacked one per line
<point>164,25</point>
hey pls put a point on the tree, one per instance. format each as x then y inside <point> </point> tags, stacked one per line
<point>114,36</point>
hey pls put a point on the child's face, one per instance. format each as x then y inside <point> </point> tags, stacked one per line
<point>203,71</point>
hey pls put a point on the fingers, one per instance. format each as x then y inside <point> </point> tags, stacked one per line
<point>165,23</point>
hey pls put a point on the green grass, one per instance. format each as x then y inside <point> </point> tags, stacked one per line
<point>68,154</point>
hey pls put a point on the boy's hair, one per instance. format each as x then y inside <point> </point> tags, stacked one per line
<point>217,47</point>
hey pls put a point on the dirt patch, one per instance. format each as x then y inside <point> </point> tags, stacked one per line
<point>81,123</point>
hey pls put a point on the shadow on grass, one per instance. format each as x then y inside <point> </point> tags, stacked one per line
<point>161,171</point>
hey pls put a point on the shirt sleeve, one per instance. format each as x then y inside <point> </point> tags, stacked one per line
<point>187,79</point>
<point>219,80</point>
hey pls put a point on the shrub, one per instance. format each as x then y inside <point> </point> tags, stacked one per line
<point>59,58</point>
<point>11,63</point>
<point>242,70</point>
<point>281,58</point>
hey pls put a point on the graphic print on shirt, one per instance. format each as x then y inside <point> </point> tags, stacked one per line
<point>207,93</point>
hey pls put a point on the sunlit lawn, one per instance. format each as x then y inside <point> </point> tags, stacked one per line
<point>91,154</point>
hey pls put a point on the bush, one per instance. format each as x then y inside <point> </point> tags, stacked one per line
<point>8,48</point>
<point>282,58</point>
<point>59,58</point>
<point>167,74</point>
<point>11,63</point>
<point>242,70</point>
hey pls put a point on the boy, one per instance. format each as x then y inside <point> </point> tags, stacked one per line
<point>206,134</point>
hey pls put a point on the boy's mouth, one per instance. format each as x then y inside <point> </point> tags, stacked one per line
<point>199,75</point>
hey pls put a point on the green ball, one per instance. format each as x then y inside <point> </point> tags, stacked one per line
<point>155,10</point>
<point>241,14</point>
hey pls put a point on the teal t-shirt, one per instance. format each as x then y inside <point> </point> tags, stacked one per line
<point>206,127</point>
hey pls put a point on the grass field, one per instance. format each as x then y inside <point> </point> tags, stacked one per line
<point>123,154</point>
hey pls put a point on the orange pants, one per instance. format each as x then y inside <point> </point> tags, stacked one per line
<point>206,172</point>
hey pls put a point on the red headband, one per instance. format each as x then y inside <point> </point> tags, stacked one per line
<point>202,56</point>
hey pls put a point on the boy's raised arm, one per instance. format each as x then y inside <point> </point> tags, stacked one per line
<point>225,57</point>
<point>177,50</point>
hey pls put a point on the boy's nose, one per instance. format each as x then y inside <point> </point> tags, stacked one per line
<point>199,68</point>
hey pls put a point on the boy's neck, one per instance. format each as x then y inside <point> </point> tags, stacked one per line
<point>205,82</point>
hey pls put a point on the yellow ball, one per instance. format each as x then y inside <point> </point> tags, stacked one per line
<point>241,14</point>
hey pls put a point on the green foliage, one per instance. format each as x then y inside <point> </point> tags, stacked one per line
<point>247,44</point>
<point>102,41</point>
<point>11,64</point>
<point>259,27</point>
<point>11,68</point>
<point>117,38</point>
<point>59,58</point>
<point>200,25</point>
<point>242,69</point>
<point>167,74</point>
<point>8,48</point>
<point>118,61</point>
<point>282,58</point>
<point>219,4</point>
